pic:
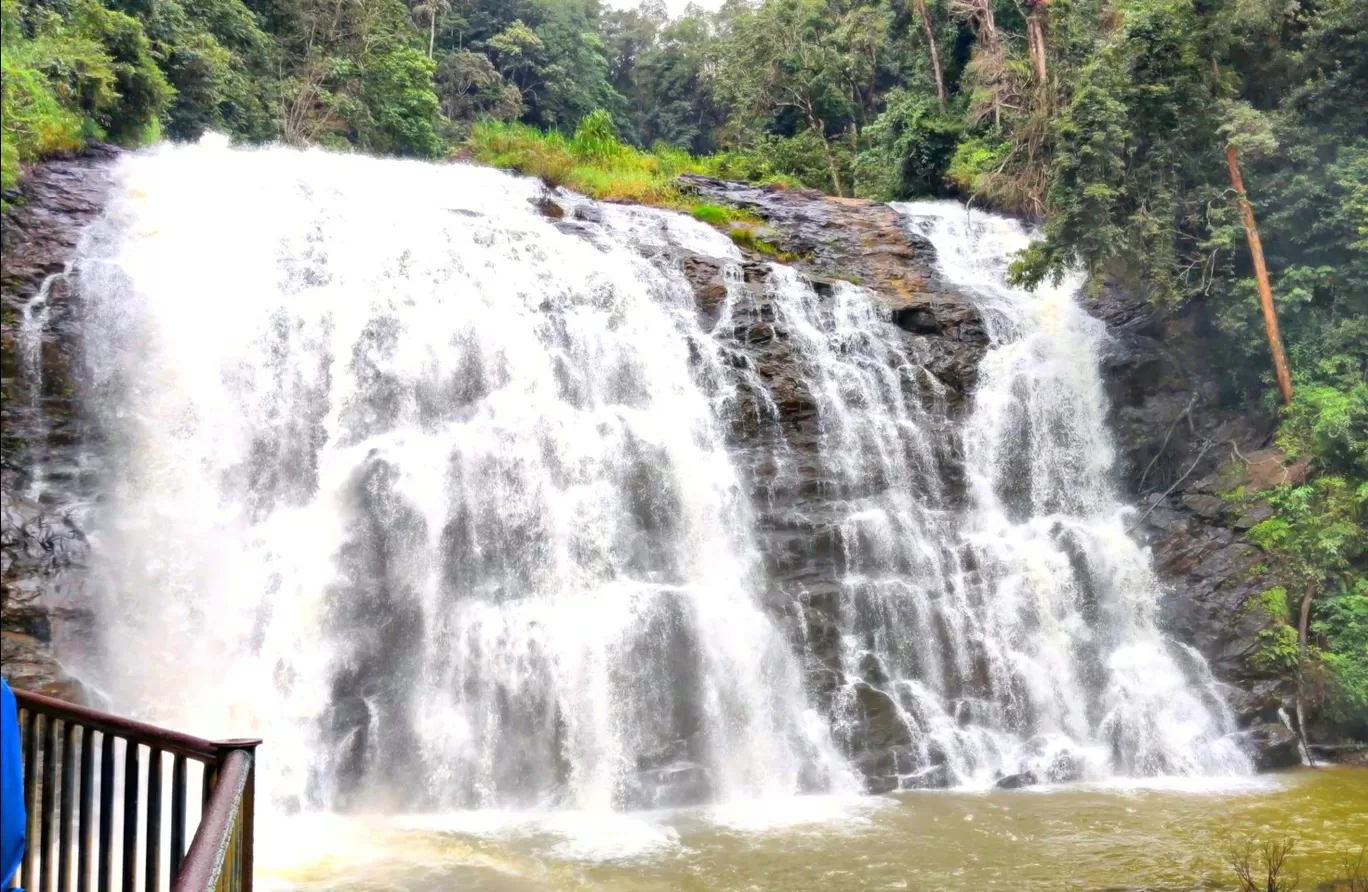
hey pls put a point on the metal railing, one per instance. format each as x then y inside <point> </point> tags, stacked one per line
<point>79,839</point>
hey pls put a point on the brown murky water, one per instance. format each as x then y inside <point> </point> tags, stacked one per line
<point>1158,837</point>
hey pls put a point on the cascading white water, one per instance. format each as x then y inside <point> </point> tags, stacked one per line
<point>1014,632</point>
<point>426,490</point>
<point>462,507</point>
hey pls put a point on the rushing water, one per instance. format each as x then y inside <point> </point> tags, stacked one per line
<point>466,510</point>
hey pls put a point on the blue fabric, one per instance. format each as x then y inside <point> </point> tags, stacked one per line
<point>13,823</point>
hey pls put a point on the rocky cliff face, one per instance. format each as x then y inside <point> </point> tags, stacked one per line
<point>1182,443</point>
<point>1186,439</point>
<point>42,548</point>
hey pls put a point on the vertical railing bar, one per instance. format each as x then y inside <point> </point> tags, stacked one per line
<point>130,817</point>
<point>178,794</point>
<point>106,844</point>
<point>87,806</point>
<point>152,869</point>
<point>247,819</point>
<point>68,784</point>
<point>207,784</point>
<point>48,807</point>
<point>30,793</point>
<point>238,861</point>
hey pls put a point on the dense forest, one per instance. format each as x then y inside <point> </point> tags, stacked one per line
<point>1130,128</point>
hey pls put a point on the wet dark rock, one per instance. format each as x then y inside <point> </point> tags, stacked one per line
<point>872,671</point>
<point>878,784</point>
<point>548,207</point>
<point>1209,507</point>
<point>30,666</point>
<point>1260,701</point>
<point>1017,781</point>
<point>846,240</point>
<point>1187,440</point>
<point>1274,746</point>
<point>881,727</point>
<point>934,777</point>
<point>1353,753</point>
<point>42,547</point>
<point>672,786</point>
<point>1064,768</point>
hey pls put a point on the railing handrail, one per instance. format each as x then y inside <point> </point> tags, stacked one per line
<point>219,855</point>
<point>208,850</point>
<point>187,745</point>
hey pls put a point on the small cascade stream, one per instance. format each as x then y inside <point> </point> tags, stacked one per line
<point>466,508</point>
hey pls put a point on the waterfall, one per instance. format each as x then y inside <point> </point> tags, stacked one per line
<point>426,490</point>
<point>461,506</point>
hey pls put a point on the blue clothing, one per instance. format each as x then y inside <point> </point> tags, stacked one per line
<point>13,820</point>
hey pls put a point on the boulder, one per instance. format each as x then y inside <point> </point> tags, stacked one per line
<point>1275,746</point>
<point>1017,781</point>
<point>676,785</point>
<point>934,777</point>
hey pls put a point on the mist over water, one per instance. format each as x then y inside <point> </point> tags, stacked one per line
<point>444,499</point>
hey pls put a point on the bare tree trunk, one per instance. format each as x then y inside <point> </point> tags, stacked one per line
<point>1035,42</point>
<point>1302,623</point>
<point>432,31</point>
<point>931,45</point>
<point>988,33</point>
<point>1261,273</point>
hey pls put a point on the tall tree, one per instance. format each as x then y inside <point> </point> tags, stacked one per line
<point>776,59</point>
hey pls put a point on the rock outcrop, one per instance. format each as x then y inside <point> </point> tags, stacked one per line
<point>42,548</point>
<point>1186,439</point>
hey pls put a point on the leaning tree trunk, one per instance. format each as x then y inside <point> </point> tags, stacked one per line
<point>1261,274</point>
<point>432,32</point>
<point>935,54</point>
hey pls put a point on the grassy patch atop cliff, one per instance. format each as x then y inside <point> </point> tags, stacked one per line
<point>596,163</point>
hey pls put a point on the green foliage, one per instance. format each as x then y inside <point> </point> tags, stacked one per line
<point>397,90</point>
<point>1342,623</point>
<point>1317,542</point>
<point>975,160</point>
<point>713,215</point>
<point>596,139</point>
<point>593,162</point>
<point>36,120</point>
<point>68,77</point>
<point>911,146</point>
<point>1330,425</point>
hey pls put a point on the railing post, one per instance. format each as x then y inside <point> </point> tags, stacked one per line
<point>247,812</point>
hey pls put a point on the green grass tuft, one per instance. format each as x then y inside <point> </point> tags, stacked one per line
<point>595,162</point>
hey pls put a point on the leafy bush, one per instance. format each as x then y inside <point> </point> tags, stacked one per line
<point>911,146</point>
<point>1316,541</point>
<point>90,73</point>
<point>397,89</point>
